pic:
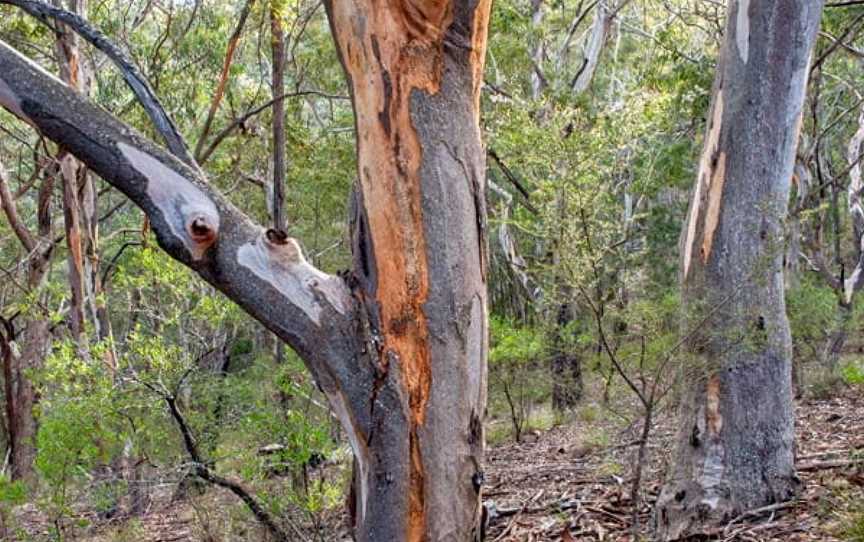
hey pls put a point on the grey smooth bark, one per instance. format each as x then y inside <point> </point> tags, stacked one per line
<point>735,447</point>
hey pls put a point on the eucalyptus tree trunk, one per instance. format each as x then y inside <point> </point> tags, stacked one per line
<point>735,447</point>
<point>277,48</point>
<point>24,351</point>
<point>538,82</point>
<point>415,70</point>
<point>73,71</point>
<point>399,344</point>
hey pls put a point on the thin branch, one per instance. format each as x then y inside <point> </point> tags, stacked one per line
<point>202,471</point>
<point>223,78</point>
<point>848,32</point>
<point>609,352</point>
<point>857,52</point>
<point>514,180</point>
<point>11,212</point>
<point>239,121</point>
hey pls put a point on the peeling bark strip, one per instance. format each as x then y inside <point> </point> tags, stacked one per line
<point>704,179</point>
<point>712,216</point>
<point>734,449</point>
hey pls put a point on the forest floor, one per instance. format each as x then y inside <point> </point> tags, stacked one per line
<point>558,484</point>
<point>573,483</point>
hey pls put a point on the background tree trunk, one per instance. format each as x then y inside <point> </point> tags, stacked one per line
<point>735,445</point>
<point>76,181</point>
<point>35,339</point>
<point>566,363</point>
<point>277,49</point>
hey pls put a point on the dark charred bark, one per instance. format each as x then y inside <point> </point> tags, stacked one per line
<point>735,447</point>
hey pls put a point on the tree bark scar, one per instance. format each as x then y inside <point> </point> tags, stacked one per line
<point>479,40</point>
<point>742,29</point>
<point>70,188</point>
<point>715,197</point>
<point>189,213</point>
<point>390,50</point>
<point>707,166</point>
<point>713,417</point>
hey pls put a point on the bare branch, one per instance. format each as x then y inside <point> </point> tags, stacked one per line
<point>239,121</point>
<point>202,471</point>
<point>11,212</point>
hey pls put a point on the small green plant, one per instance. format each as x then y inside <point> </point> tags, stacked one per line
<point>513,360</point>
<point>852,374</point>
<point>853,527</point>
<point>12,494</point>
<point>825,384</point>
<point>130,531</point>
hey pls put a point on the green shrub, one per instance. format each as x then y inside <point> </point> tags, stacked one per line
<point>852,373</point>
<point>853,527</point>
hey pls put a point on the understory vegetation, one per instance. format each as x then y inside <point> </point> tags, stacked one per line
<point>162,411</point>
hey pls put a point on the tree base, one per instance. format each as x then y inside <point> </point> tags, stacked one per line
<point>688,511</point>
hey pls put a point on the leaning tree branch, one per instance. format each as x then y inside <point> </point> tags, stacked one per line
<point>848,3</point>
<point>139,85</point>
<point>264,272</point>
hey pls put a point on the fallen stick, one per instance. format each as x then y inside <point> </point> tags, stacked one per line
<point>832,464</point>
